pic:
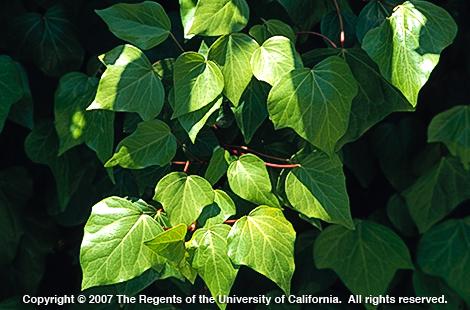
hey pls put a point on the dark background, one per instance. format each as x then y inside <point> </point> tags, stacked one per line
<point>47,260</point>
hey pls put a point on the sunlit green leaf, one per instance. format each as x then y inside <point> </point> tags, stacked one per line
<point>233,54</point>
<point>408,44</point>
<point>274,58</point>
<point>197,83</point>
<point>271,28</point>
<point>129,84</point>
<point>183,196</point>
<point>169,244</point>
<point>218,17</point>
<point>315,103</point>
<point>249,179</point>
<point>219,211</point>
<point>112,249</point>
<point>211,260</point>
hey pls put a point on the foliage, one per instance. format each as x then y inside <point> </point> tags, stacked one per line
<point>207,144</point>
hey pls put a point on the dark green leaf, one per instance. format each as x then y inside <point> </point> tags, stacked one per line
<point>218,165</point>
<point>317,189</point>
<point>143,24</point>
<point>365,259</point>
<point>11,90</point>
<point>152,143</point>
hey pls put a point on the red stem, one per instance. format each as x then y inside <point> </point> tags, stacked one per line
<point>245,148</point>
<point>320,35</point>
<point>341,24</point>
<point>230,221</point>
<point>186,166</point>
<point>181,163</point>
<point>282,166</point>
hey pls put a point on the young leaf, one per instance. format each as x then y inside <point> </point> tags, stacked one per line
<point>271,28</point>
<point>197,83</point>
<point>218,165</point>
<point>219,211</point>
<point>264,241</point>
<point>249,179</point>
<point>251,111</point>
<point>315,103</point>
<point>169,244</point>
<point>11,90</point>
<point>129,84</point>
<point>144,24</point>
<point>219,17</point>
<point>75,125</point>
<point>407,45</point>
<point>317,189</point>
<point>444,252</point>
<point>49,40</point>
<point>274,58</point>
<point>452,127</point>
<point>233,54</point>
<point>436,193</point>
<point>211,260</point>
<point>112,249</point>
<point>152,143</point>
<point>183,197</point>
<point>365,259</point>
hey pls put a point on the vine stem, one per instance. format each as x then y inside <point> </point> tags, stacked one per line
<point>282,166</point>
<point>186,166</point>
<point>320,35</point>
<point>341,24</point>
<point>246,148</point>
<point>230,221</point>
<point>176,41</point>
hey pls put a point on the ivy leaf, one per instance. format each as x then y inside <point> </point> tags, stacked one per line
<point>216,213</point>
<point>11,90</point>
<point>444,252</point>
<point>425,285</point>
<point>49,40</point>
<point>169,244</point>
<point>264,241</point>
<point>376,97</point>
<point>317,189</point>
<point>75,125</point>
<point>371,16</point>
<point>233,54</point>
<point>436,193</point>
<point>193,122</point>
<point>331,27</point>
<point>407,45</point>
<point>452,127</point>
<point>249,179</point>
<point>211,260</point>
<point>197,83</point>
<point>315,103</point>
<point>271,28</point>
<point>251,111</point>
<point>365,259</point>
<point>219,17</point>
<point>152,143</point>
<point>112,249</point>
<point>187,10</point>
<point>144,24</point>
<point>274,58</point>
<point>218,165</point>
<point>21,112</point>
<point>129,84</point>
<point>183,197</point>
